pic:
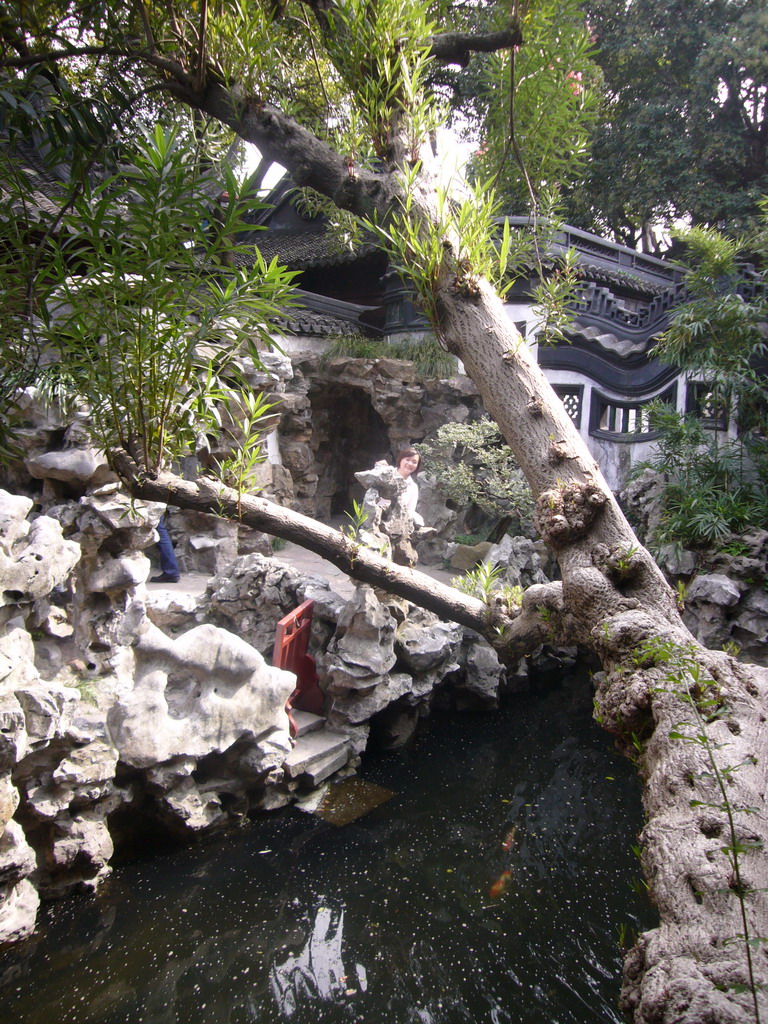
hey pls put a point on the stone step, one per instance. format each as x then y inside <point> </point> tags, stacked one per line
<point>318,755</point>
<point>306,721</point>
<point>324,768</point>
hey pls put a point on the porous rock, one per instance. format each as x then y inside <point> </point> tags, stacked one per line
<point>34,558</point>
<point>362,651</point>
<point>520,560</point>
<point>252,594</point>
<point>73,465</point>
<point>714,588</point>
<point>18,911</point>
<point>198,693</point>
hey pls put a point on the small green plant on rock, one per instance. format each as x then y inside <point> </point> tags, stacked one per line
<point>480,581</point>
<point>358,517</point>
<point>238,469</point>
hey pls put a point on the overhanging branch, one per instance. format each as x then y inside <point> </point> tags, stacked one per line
<point>458,47</point>
<point>346,554</point>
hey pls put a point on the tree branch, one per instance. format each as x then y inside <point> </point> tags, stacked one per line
<point>279,138</point>
<point>447,47</point>
<point>51,56</point>
<point>458,47</point>
<point>357,561</point>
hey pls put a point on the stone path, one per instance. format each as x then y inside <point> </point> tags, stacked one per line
<point>305,561</point>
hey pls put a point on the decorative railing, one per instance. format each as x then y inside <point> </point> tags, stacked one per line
<point>601,303</point>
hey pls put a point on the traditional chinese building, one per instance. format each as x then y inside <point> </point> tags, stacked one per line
<point>607,373</point>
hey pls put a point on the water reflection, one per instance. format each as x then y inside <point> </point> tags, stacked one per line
<point>317,972</point>
<point>387,920</point>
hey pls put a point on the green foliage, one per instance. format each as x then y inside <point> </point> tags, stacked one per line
<point>685,84</point>
<point>552,296</point>
<point>458,244</point>
<point>716,484</point>
<point>717,336</point>
<point>381,52</point>
<point>358,517</point>
<point>534,107</point>
<point>485,583</point>
<point>142,311</point>
<point>472,464</point>
<point>711,489</point>
<point>251,416</point>
<point>430,361</point>
<point>480,581</point>
<point>469,539</point>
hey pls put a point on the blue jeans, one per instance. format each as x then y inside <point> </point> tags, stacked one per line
<point>168,563</point>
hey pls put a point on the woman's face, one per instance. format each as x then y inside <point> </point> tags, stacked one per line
<point>408,464</point>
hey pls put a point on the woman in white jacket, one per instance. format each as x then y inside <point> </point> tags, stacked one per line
<point>408,464</point>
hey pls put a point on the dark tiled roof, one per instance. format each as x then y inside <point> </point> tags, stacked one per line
<point>321,316</point>
<point>318,325</point>
<point>43,192</point>
<point>303,249</point>
<point>622,278</point>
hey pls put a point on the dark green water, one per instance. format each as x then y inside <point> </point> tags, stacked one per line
<point>387,920</point>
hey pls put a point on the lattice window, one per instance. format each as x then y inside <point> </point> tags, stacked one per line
<point>702,402</point>
<point>571,397</point>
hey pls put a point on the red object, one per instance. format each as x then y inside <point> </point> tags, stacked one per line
<point>290,653</point>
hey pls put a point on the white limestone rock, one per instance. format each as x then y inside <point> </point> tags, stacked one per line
<point>18,911</point>
<point>13,732</point>
<point>34,561</point>
<point>362,652</point>
<point>520,559</point>
<point>389,525</point>
<point>78,858</point>
<point>198,694</point>
<point>185,805</point>
<point>14,510</point>
<point>48,709</point>
<point>121,573</point>
<point>9,799</point>
<point>357,708</point>
<point>166,776</point>
<point>483,674</point>
<point>713,588</point>
<point>172,612</point>
<point>17,858</point>
<point>17,656</point>
<point>109,512</point>
<point>252,594</point>
<point>88,765</point>
<point>423,646</point>
<point>74,465</point>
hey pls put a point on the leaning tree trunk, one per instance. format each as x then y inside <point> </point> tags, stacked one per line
<point>694,719</point>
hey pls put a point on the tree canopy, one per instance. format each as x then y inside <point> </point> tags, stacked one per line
<point>685,133</point>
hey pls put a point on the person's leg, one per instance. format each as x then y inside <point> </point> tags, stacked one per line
<point>168,564</point>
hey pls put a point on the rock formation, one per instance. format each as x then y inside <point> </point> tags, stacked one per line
<point>724,588</point>
<point>110,717</point>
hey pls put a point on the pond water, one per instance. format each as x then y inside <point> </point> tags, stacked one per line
<point>493,886</point>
